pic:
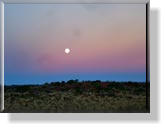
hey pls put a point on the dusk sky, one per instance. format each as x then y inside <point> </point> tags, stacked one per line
<point>106,42</point>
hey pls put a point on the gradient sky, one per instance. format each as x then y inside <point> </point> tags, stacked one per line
<point>107,42</point>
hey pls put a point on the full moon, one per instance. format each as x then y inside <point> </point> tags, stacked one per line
<point>67,50</point>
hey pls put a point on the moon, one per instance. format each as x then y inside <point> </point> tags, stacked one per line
<point>67,50</point>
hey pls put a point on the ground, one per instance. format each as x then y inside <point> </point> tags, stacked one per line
<point>75,96</point>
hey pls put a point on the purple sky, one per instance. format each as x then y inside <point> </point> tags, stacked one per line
<point>107,42</point>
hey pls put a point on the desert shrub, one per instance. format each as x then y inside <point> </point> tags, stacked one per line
<point>75,96</point>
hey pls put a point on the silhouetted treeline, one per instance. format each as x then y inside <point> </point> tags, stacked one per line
<point>108,88</point>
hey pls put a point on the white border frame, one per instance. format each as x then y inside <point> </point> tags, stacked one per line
<point>112,116</point>
<point>2,54</point>
<point>77,1</point>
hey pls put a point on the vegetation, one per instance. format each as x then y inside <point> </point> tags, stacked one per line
<point>75,96</point>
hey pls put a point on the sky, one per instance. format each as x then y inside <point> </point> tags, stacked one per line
<point>107,42</point>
